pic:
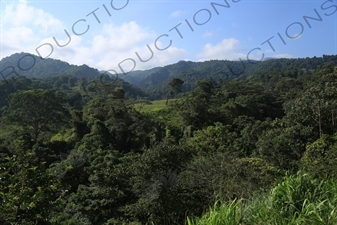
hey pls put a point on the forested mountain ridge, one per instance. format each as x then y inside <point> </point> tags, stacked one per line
<point>32,66</point>
<point>137,76</point>
<point>155,81</point>
<point>75,83</point>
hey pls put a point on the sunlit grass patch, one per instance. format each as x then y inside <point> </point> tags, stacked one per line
<point>298,199</point>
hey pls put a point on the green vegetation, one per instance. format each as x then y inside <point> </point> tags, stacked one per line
<point>152,106</point>
<point>162,111</point>
<point>298,199</point>
<point>255,149</point>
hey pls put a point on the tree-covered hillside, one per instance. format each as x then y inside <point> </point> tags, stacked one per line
<point>220,71</point>
<point>32,66</point>
<point>85,151</point>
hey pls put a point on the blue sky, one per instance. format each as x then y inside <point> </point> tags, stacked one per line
<point>193,30</point>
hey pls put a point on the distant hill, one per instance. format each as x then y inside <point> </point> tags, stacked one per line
<point>219,71</point>
<point>137,76</point>
<point>42,68</point>
<point>155,81</point>
<point>52,71</point>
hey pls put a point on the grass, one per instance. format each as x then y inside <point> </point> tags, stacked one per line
<point>226,214</point>
<point>159,111</point>
<point>299,199</point>
<point>153,106</point>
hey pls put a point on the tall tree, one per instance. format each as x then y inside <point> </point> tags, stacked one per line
<point>36,111</point>
<point>176,85</point>
<point>315,106</point>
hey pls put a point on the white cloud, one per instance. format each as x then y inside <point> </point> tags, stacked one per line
<point>117,43</point>
<point>211,33</point>
<point>104,51</point>
<point>177,14</point>
<point>235,25</point>
<point>297,36</point>
<point>113,45</point>
<point>171,55</point>
<point>208,34</point>
<point>121,38</point>
<point>21,14</point>
<point>22,27</point>
<point>285,55</point>
<point>227,49</point>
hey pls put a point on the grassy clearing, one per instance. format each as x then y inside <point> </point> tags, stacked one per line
<point>299,199</point>
<point>153,106</point>
<point>159,111</point>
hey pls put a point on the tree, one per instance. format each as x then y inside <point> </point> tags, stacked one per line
<point>118,124</point>
<point>204,88</point>
<point>155,183</point>
<point>283,144</point>
<point>28,193</point>
<point>217,138</point>
<point>117,93</point>
<point>315,106</point>
<point>319,159</point>
<point>175,84</point>
<point>36,111</point>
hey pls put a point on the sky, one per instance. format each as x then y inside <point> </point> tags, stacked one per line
<point>124,35</point>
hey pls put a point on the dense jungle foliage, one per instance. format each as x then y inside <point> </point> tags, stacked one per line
<point>257,148</point>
